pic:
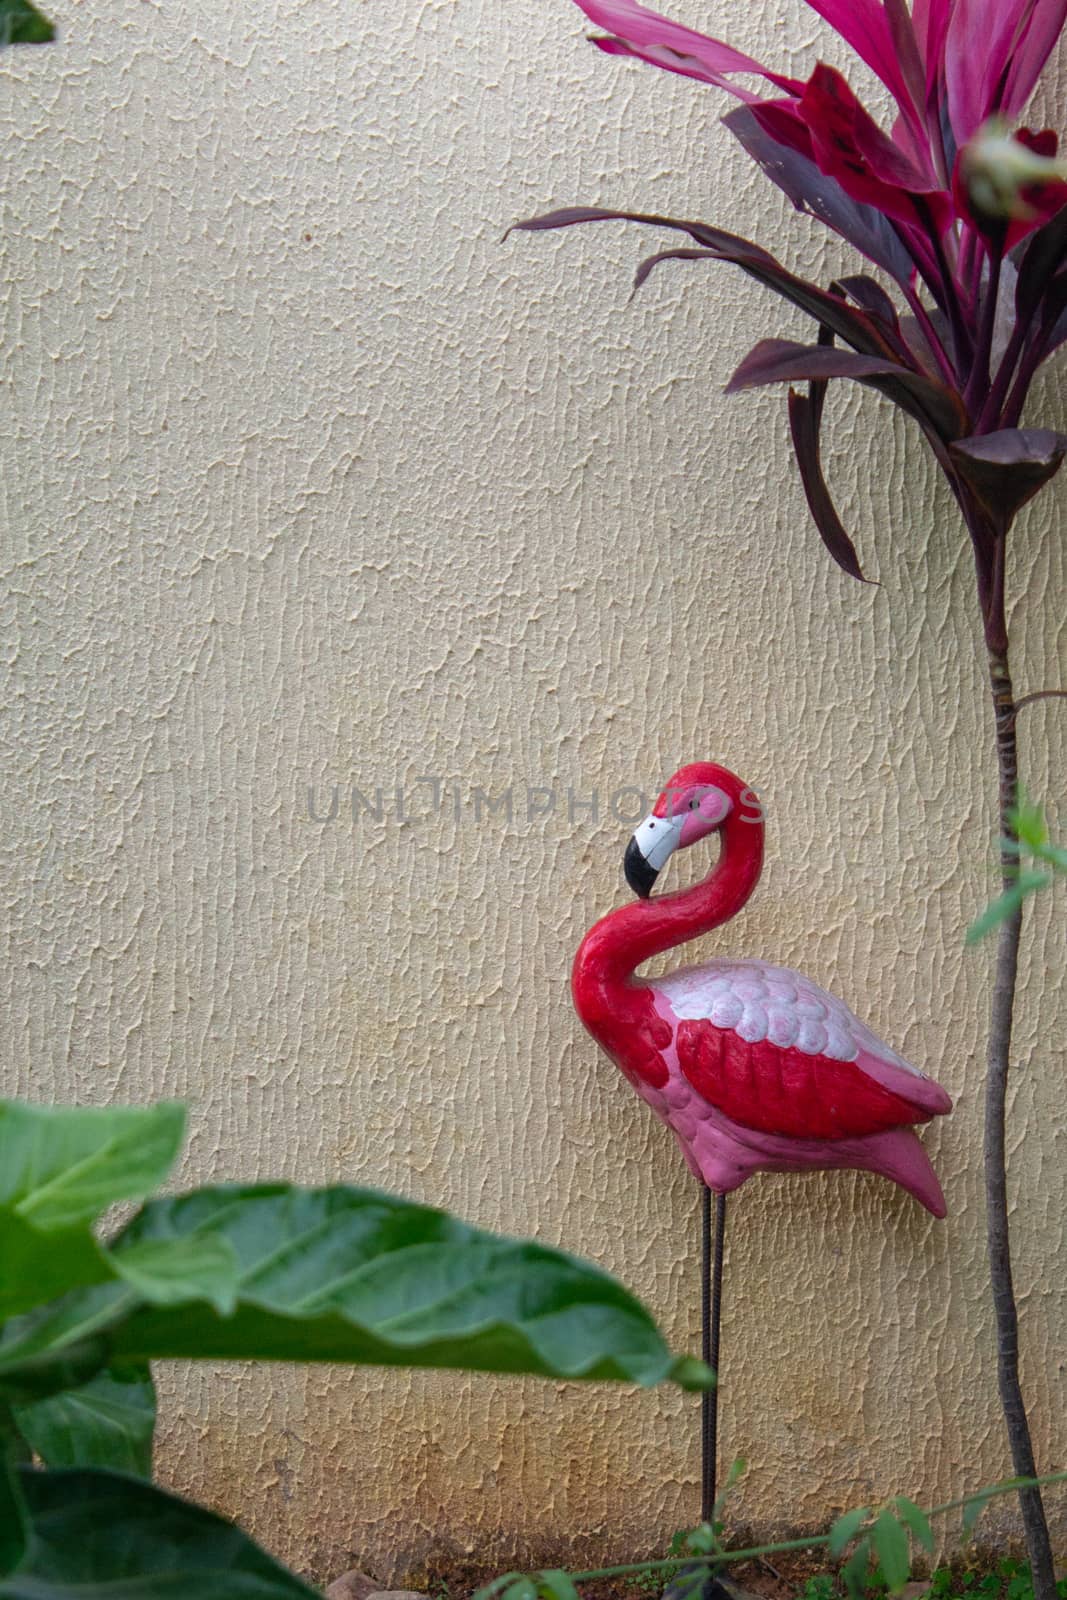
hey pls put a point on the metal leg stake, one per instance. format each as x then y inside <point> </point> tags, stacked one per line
<point>711,1325</point>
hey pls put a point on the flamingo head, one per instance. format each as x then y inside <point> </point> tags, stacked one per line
<point>697,801</point>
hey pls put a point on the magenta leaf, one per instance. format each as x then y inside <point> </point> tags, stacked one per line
<point>670,61</point>
<point>1006,469</point>
<point>805,418</point>
<point>636,31</point>
<point>863,24</point>
<point>930,20</point>
<point>977,47</point>
<point>912,70</point>
<point>819,195</point>
<point>1037,43</point>
<point>994,51</point>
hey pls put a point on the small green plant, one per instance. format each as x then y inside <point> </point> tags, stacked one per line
<point>818,1587</point>
<point>1028,839</point>
<point>268,1272</point>
<point>1009,1580</point>
<point>875,1546</point>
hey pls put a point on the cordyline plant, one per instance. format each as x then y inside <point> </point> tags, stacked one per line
<point>967,221</point>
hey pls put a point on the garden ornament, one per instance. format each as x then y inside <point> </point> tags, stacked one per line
<point>753,1067</point>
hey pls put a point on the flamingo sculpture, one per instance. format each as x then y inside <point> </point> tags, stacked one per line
<point>753,1067</point>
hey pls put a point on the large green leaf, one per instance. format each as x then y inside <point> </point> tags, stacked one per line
<point>59,1169</point>
<point>12,1508</point>
<point>107,1422</point>
<point>891,1549</point>
<point>168,1272</point>
<point>355,1276</point>
<point>114,1538</point>
<point>59,1346</point>
<point>36,1266</point>
<point>22,23</point>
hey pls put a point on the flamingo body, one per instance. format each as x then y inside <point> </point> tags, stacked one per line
<point>752,1066</point>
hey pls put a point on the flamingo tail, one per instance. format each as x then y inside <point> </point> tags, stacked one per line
<point>898,1155</point>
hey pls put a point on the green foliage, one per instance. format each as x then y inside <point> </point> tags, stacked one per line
<point>856,1571</point>
<point>846,1528</point>
<point>879,1562</point>
<point>1009,1580</point>
<point>556,1585</point>
<point>268,1271</point>
<point>59,1169</point>
<point>1031,839</point>
<point>277,1273</point>
<point>819,1587</point>
<point>917,1523</point>
<point>112,1536</point>
<point>107,1422</point>
<point>892,1552</point>
<point>22,23</point>
<point>12,1512</point>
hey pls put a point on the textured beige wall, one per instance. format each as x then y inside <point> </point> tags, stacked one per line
<point>308,479</point>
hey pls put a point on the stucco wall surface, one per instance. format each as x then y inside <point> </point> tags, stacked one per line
<point>309,480</point>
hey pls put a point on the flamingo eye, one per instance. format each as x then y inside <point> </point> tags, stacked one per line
<point>694,804</point>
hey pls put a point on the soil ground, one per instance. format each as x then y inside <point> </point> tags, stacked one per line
<point>452,1578</point>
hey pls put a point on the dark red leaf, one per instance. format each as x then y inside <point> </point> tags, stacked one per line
<point>852,325</point>
<point>683,253</point>
<point>915,338</point>
<point>1045,142</point>
<point>874,300</point>
<point>1044,255</point>
<point>1054,318</point>
<point>849,145</point>
<point>812,191</point>
<point>784,361</point>
<point>1006,469</point>
<point>805,417</point>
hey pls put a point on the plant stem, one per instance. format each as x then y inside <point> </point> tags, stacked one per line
<point>1038,1546</point>
<point>1040,694</point>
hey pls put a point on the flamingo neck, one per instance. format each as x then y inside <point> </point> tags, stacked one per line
<point>619,943</point>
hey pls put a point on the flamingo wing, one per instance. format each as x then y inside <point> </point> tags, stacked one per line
<point>775,1053</point>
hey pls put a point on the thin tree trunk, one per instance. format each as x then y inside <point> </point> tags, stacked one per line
<point>1038,1546</point>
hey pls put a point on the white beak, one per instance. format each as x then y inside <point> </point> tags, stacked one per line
<point>657,839</point>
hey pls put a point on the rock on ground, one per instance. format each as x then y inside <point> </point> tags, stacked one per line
<point>358,1586</point>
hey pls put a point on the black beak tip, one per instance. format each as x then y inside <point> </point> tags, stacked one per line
<point>639,875</point>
